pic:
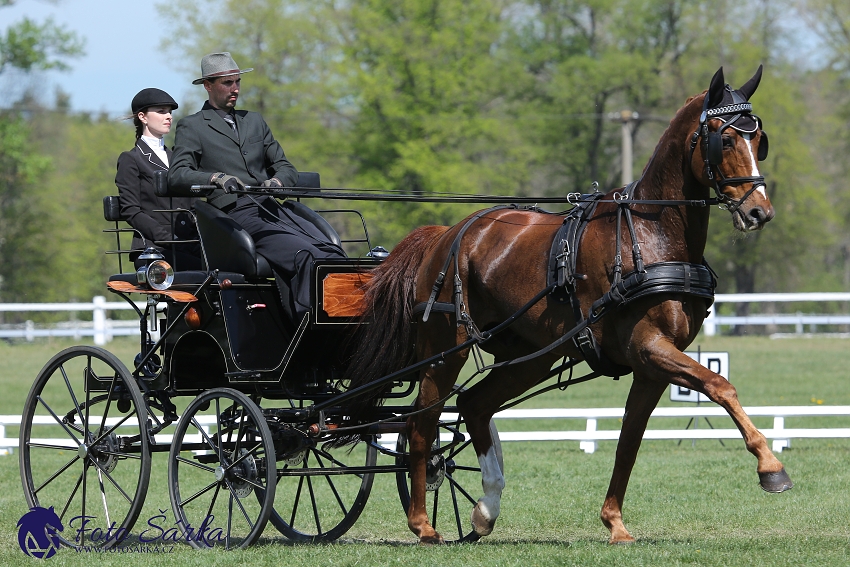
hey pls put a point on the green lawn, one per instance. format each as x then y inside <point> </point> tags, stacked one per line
<point>687,505</point>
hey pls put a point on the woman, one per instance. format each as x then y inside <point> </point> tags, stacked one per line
<point>135,180</point>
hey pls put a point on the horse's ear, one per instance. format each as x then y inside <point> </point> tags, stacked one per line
<point>715,91</point>
<point>750,86</point>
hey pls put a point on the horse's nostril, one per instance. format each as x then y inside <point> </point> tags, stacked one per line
<point>758,215</point>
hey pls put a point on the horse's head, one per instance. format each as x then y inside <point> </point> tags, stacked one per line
<point>726,148</point>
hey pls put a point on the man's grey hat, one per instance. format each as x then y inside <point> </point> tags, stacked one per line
<point>217,65</point>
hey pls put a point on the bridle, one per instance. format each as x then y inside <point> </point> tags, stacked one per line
<point>712,148</point>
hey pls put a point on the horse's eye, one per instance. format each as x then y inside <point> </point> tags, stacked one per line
<point>728,144</point>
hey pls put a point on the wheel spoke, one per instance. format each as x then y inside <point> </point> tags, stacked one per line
<point>297,500</point>
<point>436,507</point>
<point>101,436</point>
<point>62,469</point>
<point>109,477</point>
<point>200,493</point>
<point>467,468</point>
<point>457,511</point>
<point>71,392</point>
<point>213,501</point>
<point>460,488</point>
<point>207,438</point>
<point>190,462</point>
<point>244,456</point>
<point>235,498</point>
<point>73,492</point>
<point>103,497</point>
<point>458,449</point>
<point>60,422</point>
<point>315,507</point>
<point>333,488</point>
<point>334,460</point>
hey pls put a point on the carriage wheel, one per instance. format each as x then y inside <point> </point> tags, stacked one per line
<point>84,448</point>
<point>318,499</point>
<point>221,458</point>
<point>453,479</point>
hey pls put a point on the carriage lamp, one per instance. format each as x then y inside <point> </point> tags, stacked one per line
<point>156,272</point>
<point>379,253</point>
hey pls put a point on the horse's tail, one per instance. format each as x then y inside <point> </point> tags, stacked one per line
<point>384,344</point>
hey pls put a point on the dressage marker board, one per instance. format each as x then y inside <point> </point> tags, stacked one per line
<point>715,361</point>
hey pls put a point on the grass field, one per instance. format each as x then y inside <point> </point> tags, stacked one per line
<point>686,505</point>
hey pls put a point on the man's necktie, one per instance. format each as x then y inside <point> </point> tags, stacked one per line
<point>229,119</point>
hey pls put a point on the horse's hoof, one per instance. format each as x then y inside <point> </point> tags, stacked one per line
<point>435,539</point>
<point>775,481</point>
<point>481,525</point>
<point>628,540</point>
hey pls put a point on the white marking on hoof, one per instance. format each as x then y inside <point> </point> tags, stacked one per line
<point>487,509</point>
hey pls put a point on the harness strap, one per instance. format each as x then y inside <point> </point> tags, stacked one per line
<point>453,252</point>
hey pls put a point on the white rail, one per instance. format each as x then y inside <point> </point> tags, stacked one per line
<point>588,438</point>
<point>712,323</point>
<point>103,329</point>
<point>100,327</point>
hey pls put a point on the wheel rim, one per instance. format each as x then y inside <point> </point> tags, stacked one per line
<point>219,459</point>
<point>453,478</point>
<point>83,447</point>
<point>313,502</point>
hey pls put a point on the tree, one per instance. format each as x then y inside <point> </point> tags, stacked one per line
<point>26,46</point>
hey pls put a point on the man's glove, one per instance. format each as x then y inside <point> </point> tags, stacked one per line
<point>226,182</point>
<point>273,182</point>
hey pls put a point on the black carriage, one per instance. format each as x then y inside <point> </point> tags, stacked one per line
<point>259,437</point>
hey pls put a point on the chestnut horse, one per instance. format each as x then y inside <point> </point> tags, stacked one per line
<point>713,142</point>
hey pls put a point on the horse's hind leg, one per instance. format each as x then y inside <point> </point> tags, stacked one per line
<point>477,406</point>
<point>643,397</point>
<point>435,384</point>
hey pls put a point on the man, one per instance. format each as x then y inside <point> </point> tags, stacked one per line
<point>232,148</point>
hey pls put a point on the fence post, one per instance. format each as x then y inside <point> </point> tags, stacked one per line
<point>708,325</point>
<point>779,444</point>
<point>29,330</point>
<point>4,450</point>
<point>589,446</point>
<point>99,319</point>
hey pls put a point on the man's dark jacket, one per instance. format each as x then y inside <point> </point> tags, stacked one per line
<point>205,144</point>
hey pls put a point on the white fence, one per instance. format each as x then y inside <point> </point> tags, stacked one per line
<point>100,327</point>
<point>103,329</point>
<point>589,438</point>
<point>799,320</point>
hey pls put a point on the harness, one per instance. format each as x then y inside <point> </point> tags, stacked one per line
<point>659,278</point>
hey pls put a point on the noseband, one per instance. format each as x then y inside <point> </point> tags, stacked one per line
<point>712,149</point>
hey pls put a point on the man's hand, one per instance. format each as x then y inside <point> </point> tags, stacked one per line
<point>273,182</point>
<point>227,182</point>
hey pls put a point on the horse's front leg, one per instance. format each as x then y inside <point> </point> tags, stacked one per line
<point>680,369</point>
<point>643,397</point>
